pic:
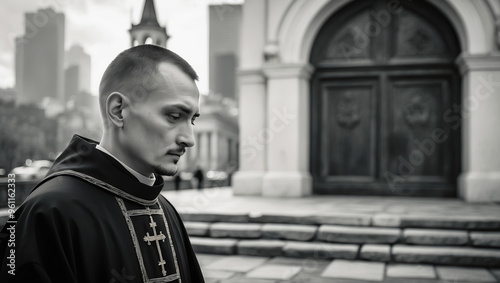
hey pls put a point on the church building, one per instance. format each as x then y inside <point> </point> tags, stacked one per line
<point>148,30</point>
<point>378,97</point>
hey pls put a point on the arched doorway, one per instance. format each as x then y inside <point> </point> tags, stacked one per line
<point>384,79</point>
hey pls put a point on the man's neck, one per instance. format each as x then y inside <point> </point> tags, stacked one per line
<point>141,177</point>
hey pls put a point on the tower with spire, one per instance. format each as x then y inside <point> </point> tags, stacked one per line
<point>148,30</point>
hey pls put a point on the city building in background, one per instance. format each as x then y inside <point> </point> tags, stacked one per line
<point>370,97</point>
<point>223,48</point>
<point>216,135</point>
<point>39,95</point>
<point>8,95</point>
<point>77,81</point>
<point>71,83</point>
<point>81,114</point>
<point>52,88</point>
<point>76,56</point>
<point>40,58</point>
<point>148,31</point>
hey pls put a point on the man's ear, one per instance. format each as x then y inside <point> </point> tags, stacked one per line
<point>116,103</point>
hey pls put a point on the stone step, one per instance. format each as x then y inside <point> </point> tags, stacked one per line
<point>289,231</point>
<point>375,252</point>
<point>344,234</point>
<point>213,246</point>
<point>431,221</point>
<point>468,256</point>
<point>260,247</point>
<point>358,235</point>
<point>215,217</point>
<point>435,237</point>
<point>252,230</point>
<point>236,230</point>
<point>320,251</point>
<point>485,239</point>
<point>197,228</point>
<point>452,256</point>
<point>461,222</point>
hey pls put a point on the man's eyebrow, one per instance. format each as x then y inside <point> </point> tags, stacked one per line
<point>183,108</point>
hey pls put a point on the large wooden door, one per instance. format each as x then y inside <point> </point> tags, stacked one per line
<point>380,94</point>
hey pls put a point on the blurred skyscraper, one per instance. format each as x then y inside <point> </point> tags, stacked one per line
<point>76,56</point>
<point>223,48</point>
<point>77,79</point>
<point>40,57</point>
<point>71,82</point>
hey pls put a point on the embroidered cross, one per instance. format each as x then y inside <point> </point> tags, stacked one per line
<point>157,238</point>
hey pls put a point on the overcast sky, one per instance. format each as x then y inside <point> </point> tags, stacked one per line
<point>101,27</point>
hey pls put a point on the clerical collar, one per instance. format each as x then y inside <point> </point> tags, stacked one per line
<point>143,179</point>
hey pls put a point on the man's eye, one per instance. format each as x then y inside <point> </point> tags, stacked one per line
<point>174,117</point>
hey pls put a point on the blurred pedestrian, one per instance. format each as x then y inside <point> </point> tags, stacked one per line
<point>200,176</point>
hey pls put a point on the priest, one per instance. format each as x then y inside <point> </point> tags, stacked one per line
<point>99,216</point>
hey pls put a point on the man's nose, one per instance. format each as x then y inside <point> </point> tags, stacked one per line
<point>186,136</point>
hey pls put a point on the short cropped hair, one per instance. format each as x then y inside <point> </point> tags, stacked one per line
<point>134,70</point>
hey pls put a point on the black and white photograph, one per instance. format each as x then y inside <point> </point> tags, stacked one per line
<point>250,141</point>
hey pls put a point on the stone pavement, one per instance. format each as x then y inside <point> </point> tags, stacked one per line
<point>215,215</point>
<point>248,269</point>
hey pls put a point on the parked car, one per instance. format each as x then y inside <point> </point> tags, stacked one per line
<point>33,170</point>
<point>217,175</point>
<point>216,179</point>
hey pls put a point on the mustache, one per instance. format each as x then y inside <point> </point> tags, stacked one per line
<point>179,151</point>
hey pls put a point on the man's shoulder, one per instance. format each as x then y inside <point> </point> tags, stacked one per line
<point>62,185</point>
<point>65,198</point>
<point>62,191</point>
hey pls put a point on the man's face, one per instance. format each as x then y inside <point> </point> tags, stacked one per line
<point>157,130</point>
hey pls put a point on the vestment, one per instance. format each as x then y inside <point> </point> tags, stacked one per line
<point>92,221</point>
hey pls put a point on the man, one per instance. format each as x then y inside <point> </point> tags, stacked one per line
<point>99,216</point>
<point>198,174</point>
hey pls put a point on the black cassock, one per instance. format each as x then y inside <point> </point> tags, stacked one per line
<point>92,221</point>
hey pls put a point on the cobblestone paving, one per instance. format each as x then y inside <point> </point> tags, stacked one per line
<point>249,269</point>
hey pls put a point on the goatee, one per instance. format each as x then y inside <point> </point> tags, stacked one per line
<point>161,170</point>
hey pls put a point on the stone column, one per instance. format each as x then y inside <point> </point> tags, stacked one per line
<point>286,135</point>
<point>233,154</point>
<point>214,151</point>
<point>204,157</point>
<point>184,161</point>
<point>223,156</point>
<point>193,151</point>
<point>252,99</point>
<point>252,154</point>
<point>480,110</point>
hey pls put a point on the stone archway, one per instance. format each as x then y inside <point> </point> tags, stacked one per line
<point>301,23</point>
<point>384,78</point>
<point>479,66</point>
